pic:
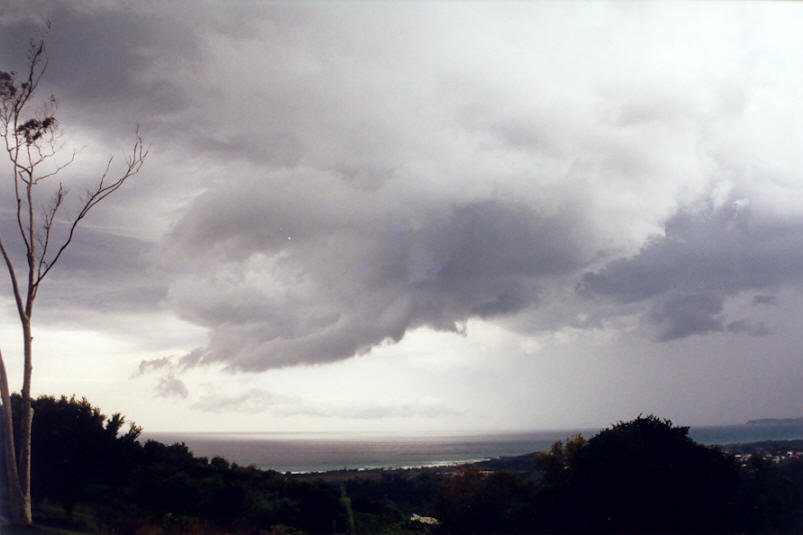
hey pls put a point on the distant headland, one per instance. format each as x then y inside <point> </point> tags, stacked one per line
<point>763,421</point>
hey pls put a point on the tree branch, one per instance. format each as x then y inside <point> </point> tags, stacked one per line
<point>134,163</point>
<point>57,169</point>
<point>48,216</point>
<point>13,276</point>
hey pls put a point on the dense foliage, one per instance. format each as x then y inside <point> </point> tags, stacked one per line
<point>641,476</point>
<point>82,456</point>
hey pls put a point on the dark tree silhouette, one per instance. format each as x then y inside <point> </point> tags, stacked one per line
<point>76,447</point>
<point>645,475</point>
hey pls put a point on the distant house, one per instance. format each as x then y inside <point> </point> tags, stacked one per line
<point>424,520</point>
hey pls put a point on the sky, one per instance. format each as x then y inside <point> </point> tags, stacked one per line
<point>422,217</point>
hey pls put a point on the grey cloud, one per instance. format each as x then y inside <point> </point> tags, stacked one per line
<point>102,59</point>
<point>147,366</point>
<point>113,68</point>
<point>764,300</point>
<point>191,359</point>
<point>101,272</point>
<point>750,328</point>
<point>361,269</point>
<point>259,401</point>
<point>171,387</point>
<point>252,401</point>
<point>705,257</point>
<point>104,272</point>
<point>684,315</point>
<point>343,253</point>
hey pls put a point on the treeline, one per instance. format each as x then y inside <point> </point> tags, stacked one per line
<point>129,487</point>
<point>642,476</point>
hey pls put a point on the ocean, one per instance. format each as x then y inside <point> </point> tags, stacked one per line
<point>320,452</point>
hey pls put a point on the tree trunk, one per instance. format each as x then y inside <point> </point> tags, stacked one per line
<point>26,421</point>
<point>20,509</point>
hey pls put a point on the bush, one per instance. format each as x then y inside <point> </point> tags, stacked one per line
<point>644,476</point>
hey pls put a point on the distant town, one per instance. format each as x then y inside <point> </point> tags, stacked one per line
<point>775,451</point>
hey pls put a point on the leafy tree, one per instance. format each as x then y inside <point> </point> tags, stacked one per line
<point>770,496</point>
<point>31,141</point>
<point>474,502</point>
<point>560,457</point>
<point>77,448</point>
<point>645,475</point>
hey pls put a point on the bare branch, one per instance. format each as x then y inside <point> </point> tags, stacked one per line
<point>53,148</point>
<point>57,169</point>
<point>15,99</point>
<point>37,62</point>
<point>20,225</point>
<point>48,216</point>
<point>134,163</point>
<point>13,276</point>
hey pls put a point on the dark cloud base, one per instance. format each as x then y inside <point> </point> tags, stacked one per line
<point>705,257</point>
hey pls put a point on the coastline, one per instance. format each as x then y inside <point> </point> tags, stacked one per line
<point>769,449</point>
<point>320,453</point>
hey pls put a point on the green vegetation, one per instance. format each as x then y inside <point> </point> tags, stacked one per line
<point>644,476</point>
<point>105,480</point>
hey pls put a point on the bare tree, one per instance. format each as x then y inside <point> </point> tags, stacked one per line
<point>32,144</point>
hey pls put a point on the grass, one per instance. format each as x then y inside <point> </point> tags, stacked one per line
<point>39,530</point>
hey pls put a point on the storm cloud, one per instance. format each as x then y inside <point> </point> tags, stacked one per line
<point>323,270</point>
<point>705,257</point>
